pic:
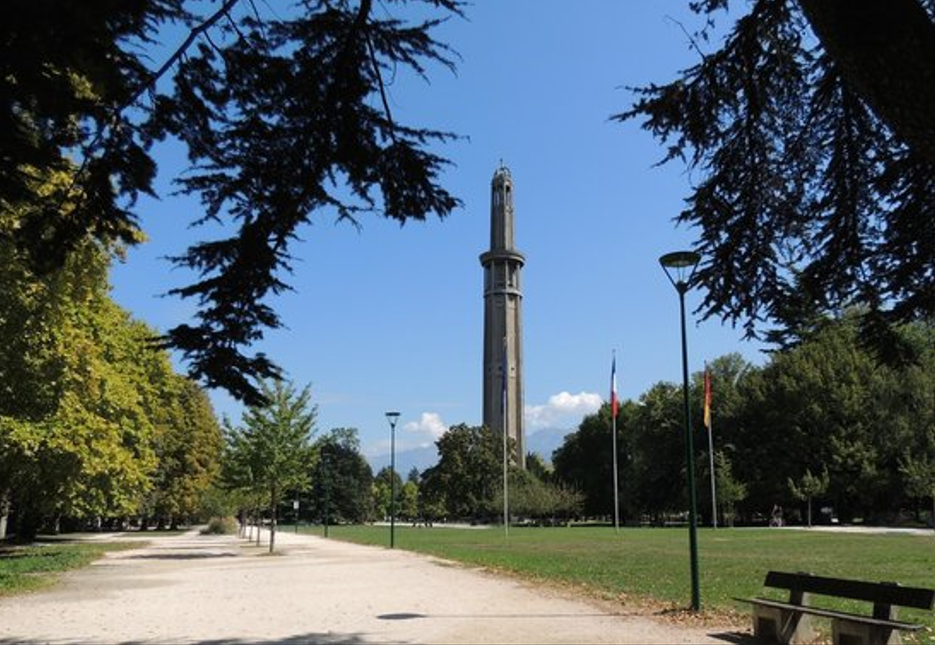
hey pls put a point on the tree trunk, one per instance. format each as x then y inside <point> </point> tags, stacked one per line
<point>258,518</point>
<point>809,512</point>
<point>4,511</point>
<point>272,519</point>
<point>885,51</point>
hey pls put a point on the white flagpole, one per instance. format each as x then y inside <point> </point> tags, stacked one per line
<point>710,428</point>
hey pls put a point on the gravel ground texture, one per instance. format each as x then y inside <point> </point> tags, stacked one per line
<point>223,590</point>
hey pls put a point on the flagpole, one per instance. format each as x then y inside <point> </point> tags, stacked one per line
<point>710,425</point>
<point>613,414</point>
<point>503,398</point>
<point>713,487</point>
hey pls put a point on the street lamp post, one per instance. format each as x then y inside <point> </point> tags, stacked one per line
<point>392,417</point>
<point>680,269</point>
<point>325,484</point>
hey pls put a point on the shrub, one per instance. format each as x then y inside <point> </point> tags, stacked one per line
<point>221,526</point>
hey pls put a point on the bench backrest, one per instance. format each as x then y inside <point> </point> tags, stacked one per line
<point>884,593</point>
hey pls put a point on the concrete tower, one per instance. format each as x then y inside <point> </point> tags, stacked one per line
<point>503,319</point>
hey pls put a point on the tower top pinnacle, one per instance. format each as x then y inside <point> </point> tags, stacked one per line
<point>502,173</point>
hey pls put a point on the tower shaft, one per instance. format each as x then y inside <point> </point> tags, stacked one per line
<point>503,320</point>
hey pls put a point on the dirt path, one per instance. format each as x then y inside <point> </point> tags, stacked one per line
<point>213,590</point>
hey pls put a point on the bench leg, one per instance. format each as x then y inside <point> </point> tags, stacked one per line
<point>846,632</point>
<point>782,626</point>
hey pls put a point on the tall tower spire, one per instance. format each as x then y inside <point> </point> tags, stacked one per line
<point>503,319</point>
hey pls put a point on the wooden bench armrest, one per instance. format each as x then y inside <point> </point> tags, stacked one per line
<point>829,613</point>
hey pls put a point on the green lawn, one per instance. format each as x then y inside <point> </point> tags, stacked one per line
<point>29,568</point>
<point>652,564</point>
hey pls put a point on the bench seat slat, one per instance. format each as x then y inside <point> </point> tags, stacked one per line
<point>828,613</point>
<point>915,597</point>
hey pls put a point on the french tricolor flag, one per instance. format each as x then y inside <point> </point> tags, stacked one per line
<point>613,387</point>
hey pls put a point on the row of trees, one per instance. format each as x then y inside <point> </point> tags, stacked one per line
<point>94,422</point>
<point>822,421</point>
<point>273,468</point>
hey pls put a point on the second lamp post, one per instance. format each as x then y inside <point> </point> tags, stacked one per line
<point>392,417</point>
<point>680,268</point>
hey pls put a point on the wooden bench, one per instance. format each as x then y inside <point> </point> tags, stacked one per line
<point>788,622</point>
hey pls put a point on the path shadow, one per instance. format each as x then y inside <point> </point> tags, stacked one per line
<point>404,615</point>
<point>179,556</point>
<point>310,638</point>
<point>738,638</point>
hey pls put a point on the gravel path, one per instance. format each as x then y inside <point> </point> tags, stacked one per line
<point>213,590</point>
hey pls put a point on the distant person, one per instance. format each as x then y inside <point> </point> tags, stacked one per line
<point>776,516</point>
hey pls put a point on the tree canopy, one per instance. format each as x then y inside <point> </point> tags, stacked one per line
<point>820,421</point>
<point>94,423</point>
<point>271,452</point>
<point>283,116</point>
<point>811,130</point>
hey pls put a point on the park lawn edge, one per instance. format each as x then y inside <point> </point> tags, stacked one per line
<point>723,611</point>
<point>635,603</point>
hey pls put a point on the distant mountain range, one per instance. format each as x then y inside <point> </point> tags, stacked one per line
<point>544,442</point>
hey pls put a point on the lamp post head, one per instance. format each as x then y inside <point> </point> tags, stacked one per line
<point>392,417</point>
<point>680,268</point>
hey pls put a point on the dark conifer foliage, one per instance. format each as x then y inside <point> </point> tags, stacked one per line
<point>816,187</point>
<point>283,118</point>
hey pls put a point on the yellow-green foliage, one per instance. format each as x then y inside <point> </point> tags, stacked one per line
<point>87,406</point>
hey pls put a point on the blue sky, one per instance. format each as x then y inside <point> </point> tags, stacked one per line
<point>390,318</point>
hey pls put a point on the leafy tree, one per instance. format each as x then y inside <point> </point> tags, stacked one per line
<point>431,505</point>
<point>541,501</point>
<point>584,461</point>
<point>811,128</point>
<point>343,479</point>
<point>536,465</point>
<point>808,488</point>
<point>283,118</point>
<point>383,486</point>
<point>188,446</point>
<point>919,473</point>
<point>408,506</point>
<point>468,472</point>
<point>273,447</point>
<point>656,479</point>
<point>80,445</point>
<point>730,490</point>
<point>93,421</point>
<point>812,408</point>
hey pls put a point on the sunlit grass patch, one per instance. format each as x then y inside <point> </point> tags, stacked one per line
<point>27,568</point>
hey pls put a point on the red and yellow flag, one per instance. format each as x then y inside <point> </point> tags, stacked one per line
<point>707,398</point>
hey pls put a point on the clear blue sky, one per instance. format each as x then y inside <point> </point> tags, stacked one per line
<point>389,318</point>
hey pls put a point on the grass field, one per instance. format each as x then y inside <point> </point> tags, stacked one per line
<point>652,564</point>
<point>29,568</point>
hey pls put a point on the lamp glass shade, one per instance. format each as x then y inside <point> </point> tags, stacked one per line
<point>679,266</point>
